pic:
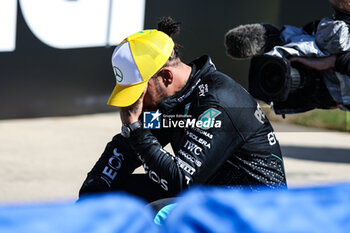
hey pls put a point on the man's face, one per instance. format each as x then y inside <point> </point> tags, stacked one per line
<point>156,92</point>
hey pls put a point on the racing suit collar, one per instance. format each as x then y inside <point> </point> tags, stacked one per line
<point>200,66</point>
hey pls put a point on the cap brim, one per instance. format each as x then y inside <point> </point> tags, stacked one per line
<point>126,95</point>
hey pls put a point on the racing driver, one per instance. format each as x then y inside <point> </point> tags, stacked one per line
<point>224,138</point>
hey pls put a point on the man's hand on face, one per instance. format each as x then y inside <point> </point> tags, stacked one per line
<point>131,113</point>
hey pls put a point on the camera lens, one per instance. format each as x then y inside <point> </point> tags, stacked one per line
<point>269,78</point>
<point>272,79</point>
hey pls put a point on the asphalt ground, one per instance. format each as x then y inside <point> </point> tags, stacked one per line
<point>47,159</point>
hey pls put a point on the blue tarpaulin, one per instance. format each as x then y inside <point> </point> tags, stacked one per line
<point>96,214</point>
<point>321,209</point>
<point>318,209</point>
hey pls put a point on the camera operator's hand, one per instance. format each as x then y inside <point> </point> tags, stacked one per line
<point>319,63</point>
<point>132,113</point>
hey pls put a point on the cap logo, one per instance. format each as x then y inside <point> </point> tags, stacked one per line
<point>118,74</point>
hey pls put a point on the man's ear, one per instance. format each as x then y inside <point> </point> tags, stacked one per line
<point>167,76</point>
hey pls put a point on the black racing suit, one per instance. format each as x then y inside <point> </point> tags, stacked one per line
<point>238,148</point>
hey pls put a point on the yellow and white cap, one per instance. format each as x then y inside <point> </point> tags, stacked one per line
<point>135,60</point>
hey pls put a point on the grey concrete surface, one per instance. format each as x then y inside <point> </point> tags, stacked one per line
<point>47,159</point>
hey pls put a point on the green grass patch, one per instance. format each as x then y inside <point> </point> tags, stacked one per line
<point>325,119</point>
